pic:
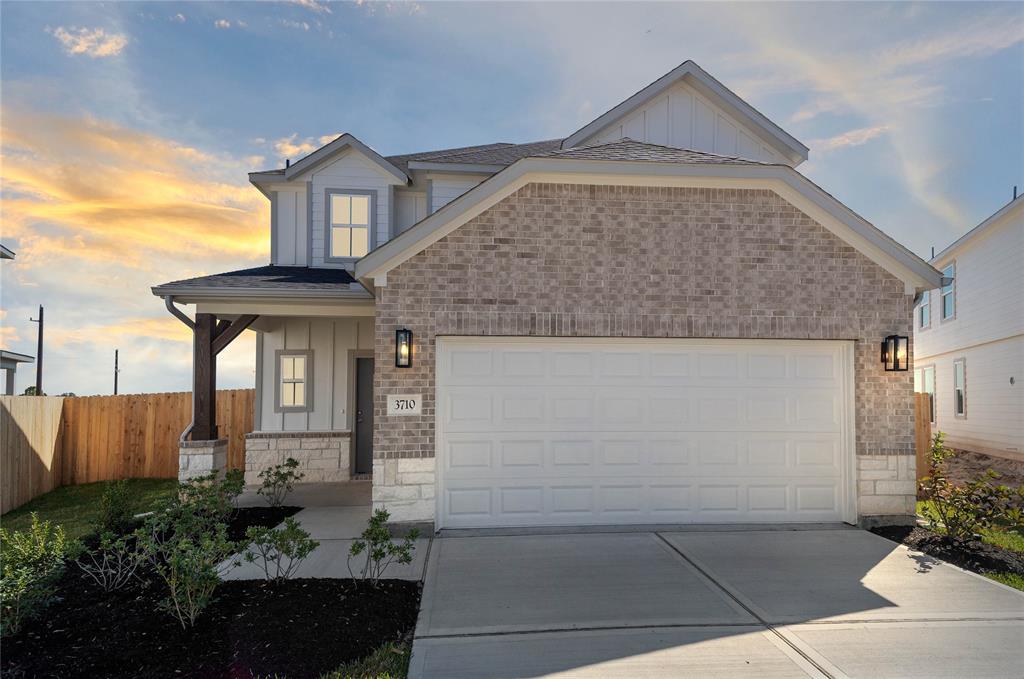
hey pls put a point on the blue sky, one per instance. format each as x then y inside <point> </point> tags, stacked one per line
<point>128,127</point>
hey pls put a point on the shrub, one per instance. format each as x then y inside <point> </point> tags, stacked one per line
<point>279,480</point>
<point>117,510</point>
<point>30,563</point>
<point>112,565</point>
<point>279,551</point>
<point>191,563</point>
<point>964,511</point>
<point>210,497</point>
<point>380,549</point>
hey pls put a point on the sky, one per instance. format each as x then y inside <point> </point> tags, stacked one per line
<point>127,129</point>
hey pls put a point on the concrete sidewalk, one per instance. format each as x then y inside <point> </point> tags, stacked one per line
<point>759,603</point>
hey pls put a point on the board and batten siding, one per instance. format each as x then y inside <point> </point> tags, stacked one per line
<point>290,232</point>
<point>410,207</point>
<point>351,170</point>
<point>331,341</point>
<point>447,187</point>
<point>987,331</point>
<point>683,118</point>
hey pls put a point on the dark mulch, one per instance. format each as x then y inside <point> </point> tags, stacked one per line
<point>301,628</point>
<point>967,466</point>
<point>972,555</point>
<point>257,516</point>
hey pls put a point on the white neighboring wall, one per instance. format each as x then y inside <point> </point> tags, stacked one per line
<point>683,118</point>
<point>988,332</point>
<point>333,343</point>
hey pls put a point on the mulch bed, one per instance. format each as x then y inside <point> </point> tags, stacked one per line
<point>972,555</point>
<point>257,516</point>
<point>968,466</point>
<point>301,628</point>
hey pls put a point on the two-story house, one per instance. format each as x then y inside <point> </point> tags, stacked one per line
<point>969,338</point>
<point>636,323</point>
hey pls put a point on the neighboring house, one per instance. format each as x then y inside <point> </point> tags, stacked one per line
<point>969,338</point>
<point>637,323</point>
<point>9,360</point>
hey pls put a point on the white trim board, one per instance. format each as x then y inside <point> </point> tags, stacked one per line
<point>783,180</point>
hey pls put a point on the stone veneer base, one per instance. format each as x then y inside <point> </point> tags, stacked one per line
<point>200,458</point>
<point>405,487</point>
<point>323,456</point>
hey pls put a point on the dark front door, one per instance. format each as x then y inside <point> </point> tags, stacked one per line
<point>364,415</point>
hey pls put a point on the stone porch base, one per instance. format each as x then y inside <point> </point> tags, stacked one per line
<point>322,455</point>
<point>405,487</point>
<point>200,458</point>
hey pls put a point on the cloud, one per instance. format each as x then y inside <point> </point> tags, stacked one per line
<point>94,42</point>
<point>314,6</point>
<point>178,18</point>
<point>292,147</point>
<point>288,23</point>
<point>222,23</point>
<point>857,137</point>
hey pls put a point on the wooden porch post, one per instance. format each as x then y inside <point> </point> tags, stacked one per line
<point>204,403</point>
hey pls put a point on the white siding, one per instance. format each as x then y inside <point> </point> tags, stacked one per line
<point>330,340</point>
<point>350,170</point>
<point>410,207</point>
<point>290,244</point>
<point>446,188</point>
<point>987,330</point>
<point>682,117</point>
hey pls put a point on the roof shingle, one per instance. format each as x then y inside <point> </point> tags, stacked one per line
<point>627,149</point>
<point>283,278</point>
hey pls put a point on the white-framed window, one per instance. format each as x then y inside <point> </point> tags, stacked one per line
<point>948,293</point>
<point>349,228</point>
<point>960,387</point>
<point>293,378</point>
<point>924,311</point>
<point>924,383</point>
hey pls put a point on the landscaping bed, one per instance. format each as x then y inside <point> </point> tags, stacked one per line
<point>294,629</point>
<point>972,555</point>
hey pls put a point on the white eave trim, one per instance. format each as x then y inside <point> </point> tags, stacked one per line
<point>785,181</point>
<point>461,168</point>
<point>706,84</point>
<point>999,217</point>
<point>184,293</point>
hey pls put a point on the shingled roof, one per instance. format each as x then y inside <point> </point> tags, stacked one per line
<point>627,149</point>
<point>486,154</point>
<point>266,279</point>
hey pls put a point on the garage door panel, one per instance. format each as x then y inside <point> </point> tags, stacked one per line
<point>556,432</point>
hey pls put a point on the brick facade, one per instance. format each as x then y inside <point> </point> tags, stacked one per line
<point>616,261</point>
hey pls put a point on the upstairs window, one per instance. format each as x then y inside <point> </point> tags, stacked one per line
<point>924,312</point>
<point>949,293</point>
<point>294,373</point>
<point>960,388</point>
<point>349,223</point>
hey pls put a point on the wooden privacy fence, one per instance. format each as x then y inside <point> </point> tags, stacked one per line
<point>922,432</point>
<point>52,441</point>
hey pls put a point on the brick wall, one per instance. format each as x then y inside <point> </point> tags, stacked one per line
<point>616,261</point>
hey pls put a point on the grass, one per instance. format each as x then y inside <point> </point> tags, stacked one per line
<point>390,661</point>
<point>77,508</point>
<point>1011,579</point>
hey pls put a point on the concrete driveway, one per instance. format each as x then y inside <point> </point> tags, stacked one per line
<point>824,602</point>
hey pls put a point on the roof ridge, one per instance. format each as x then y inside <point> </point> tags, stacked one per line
<point>630,140</point>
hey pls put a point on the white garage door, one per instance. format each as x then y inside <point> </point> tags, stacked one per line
<point>548,432</point>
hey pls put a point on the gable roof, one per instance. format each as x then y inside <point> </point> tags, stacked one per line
<point>325,153</point>
<point>265,280</point>
<point>628,162</point>
<point>1014,206</point>
<point>721,95</point>
<point>499,155</point>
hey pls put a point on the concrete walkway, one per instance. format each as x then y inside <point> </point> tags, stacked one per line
<point>334,514</point>
<point>833,602</point>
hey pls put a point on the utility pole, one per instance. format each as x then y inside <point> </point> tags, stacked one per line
<point>39,352</point>
<point>116,370</point>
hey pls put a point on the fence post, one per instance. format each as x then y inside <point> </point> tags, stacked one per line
<point>922,432</point>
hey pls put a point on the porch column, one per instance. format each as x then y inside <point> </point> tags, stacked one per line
<point>204,379</point>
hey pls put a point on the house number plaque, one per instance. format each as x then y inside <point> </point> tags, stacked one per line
<point>405,404</point>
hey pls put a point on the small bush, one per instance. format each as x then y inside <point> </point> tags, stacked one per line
<point>390,661</point>
<point>117,509</point>
<point>964,511</point>
<point>278,481</point>
<point>211,497</point>
<point>113,564</point>
<point>279,551</point>
<point>30,563</point>
<point>380,549</point>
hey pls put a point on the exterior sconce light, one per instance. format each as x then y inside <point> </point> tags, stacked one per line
<point>895,354</point>
<point>403,348</point>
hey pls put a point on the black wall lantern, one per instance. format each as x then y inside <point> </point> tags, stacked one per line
<point>403,348</point>
<point>895,353</point>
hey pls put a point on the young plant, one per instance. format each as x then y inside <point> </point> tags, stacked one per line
<point>112,565</point>
<point>117,510</point>
<point>279,480</point>
<point>206,500</point>
<point>964,511</point>
<point>380,549</point>
<point>279,551</point>
<point>30,563</point>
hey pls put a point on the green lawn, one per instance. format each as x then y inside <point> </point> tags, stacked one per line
<point>390,661</point>
<point>77,508</point>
